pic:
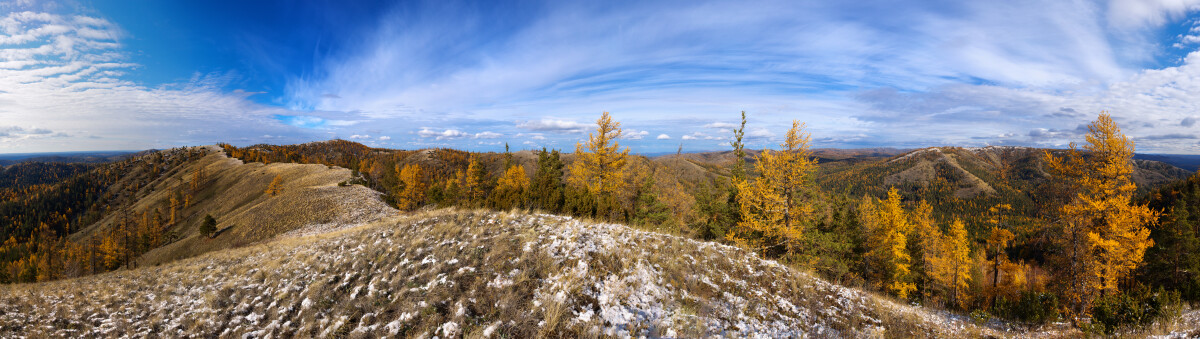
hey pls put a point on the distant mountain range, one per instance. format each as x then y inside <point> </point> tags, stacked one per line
<point>1188,162</point>
<point>7,159</point>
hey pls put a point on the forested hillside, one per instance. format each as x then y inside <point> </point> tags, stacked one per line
<point>1026,235</point>
<point>153,209</point>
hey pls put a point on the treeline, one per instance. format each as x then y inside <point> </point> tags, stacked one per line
<point>1070,246</point>
<point>38,173</point>
<point>1089,233</point>
<point>37,225</point>
<point>627,191</point>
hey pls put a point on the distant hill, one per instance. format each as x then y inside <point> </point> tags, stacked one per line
<point>1188,162</point>
<point>68,157</point>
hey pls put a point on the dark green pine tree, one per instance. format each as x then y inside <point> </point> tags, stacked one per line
<point>1174,260</point>
<point>648,210</point>
<point>209,227</point>
<point>547,185</point>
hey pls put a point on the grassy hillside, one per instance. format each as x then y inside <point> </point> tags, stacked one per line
<point>233,192</point>
<point>470,273</point>
<point>148,210</point>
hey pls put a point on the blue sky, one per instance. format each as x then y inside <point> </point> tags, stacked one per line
<point>107,75</point>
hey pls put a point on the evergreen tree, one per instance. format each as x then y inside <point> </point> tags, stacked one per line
<point>648,210</point>
<point>1174,261</point>
<point>738,174</point>
<point>208,227</point>
<point>547,182</point>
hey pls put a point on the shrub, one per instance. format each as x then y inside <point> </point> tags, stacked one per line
<point>980,317</point>
<point>209,227</point>
<point>1138,306</point>
<point>1030,306</point>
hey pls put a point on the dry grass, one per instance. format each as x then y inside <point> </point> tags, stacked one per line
<point>474,274</point>
<point>233,193</point>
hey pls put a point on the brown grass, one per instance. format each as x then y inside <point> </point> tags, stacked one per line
<point>466,273</point>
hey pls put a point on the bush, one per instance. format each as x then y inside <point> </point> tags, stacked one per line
<point>1137,307</point>
<point>980,317</point>
<point>1030,307</point>
<point>209,227</point>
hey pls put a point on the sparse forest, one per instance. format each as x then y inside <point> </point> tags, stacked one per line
<point>1030,236</point>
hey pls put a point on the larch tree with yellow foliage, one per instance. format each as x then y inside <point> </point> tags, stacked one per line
<point>512,188</point>
<point>413,194</point>
<point>926,247</point>
<point>1104,235</point>
<point>954,263</point>
<point>886,227</point>
<point>774,206</point>
<point>997,243</point>
<point>275,187</point>
<point>599,166</point>
<point>471,191</point>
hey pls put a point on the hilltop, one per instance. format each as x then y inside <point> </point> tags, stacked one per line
<point>474,273</point>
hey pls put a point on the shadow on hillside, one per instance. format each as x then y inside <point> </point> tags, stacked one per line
<point>218,232</point>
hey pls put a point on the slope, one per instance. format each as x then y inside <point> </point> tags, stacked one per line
<point>479,274</point>
<point>234,193</point>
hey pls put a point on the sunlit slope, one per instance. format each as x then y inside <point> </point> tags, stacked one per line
<point>234,193</point>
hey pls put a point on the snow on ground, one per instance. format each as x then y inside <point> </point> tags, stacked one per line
<point>455,273</point>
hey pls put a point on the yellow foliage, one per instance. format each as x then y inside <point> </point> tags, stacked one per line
<point>471,192</point>
<point>275,187</point>
<point>773,206</point>
<point>514,179</point>
<point>413,194</point>
<point>954,263</point>
<point>1104,234</point>
<point>601,168</point>
<point>886,227</point>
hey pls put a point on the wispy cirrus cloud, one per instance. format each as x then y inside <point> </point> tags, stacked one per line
<point>874,73</point>
<point>67,73</point>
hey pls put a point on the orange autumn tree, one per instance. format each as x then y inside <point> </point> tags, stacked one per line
<point>275,187</point>
<point>1104,235</point>
<point>773,207</point>
<point>953,270</point>
<point>599,167</point>
<point>886,227</point>
<point>413,194</point>
<point>512,188</point>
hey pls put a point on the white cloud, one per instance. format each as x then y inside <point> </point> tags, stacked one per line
<point>633,134</point>
<point>487,135</point>
<point>358,136</point>
<point>10,134</point>
<point>722,127</point>
<point>1136,13</point>
<point>66,73</point>
<point>443,135</point>
<point>663,137</point>
<point>553,125</point>
<point>760,132</point>
<point>688,137</point>
<point>385,138</point>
